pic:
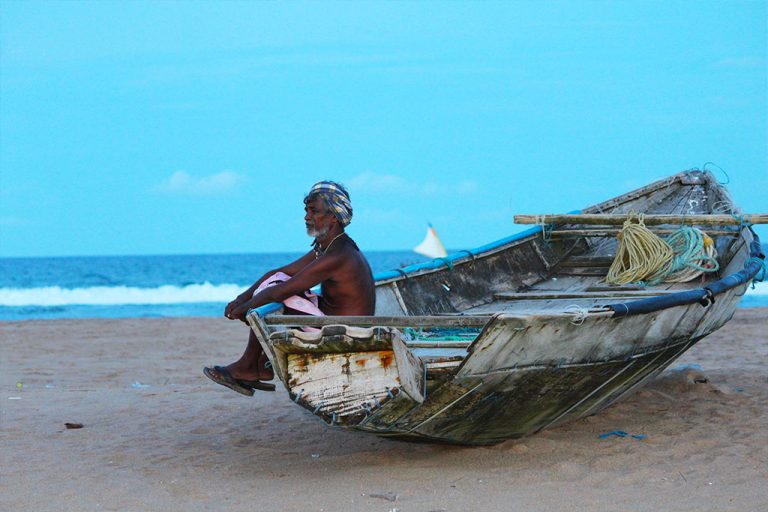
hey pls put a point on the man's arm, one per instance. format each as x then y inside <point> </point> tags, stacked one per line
<point>291,269</point>
<point>315,272</point>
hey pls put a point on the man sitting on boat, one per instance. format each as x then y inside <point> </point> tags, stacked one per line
<point>335,262</point>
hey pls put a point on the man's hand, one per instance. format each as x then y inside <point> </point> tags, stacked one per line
<point>239,312</point>
<point>231,307</point>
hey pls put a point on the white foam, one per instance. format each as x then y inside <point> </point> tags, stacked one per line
<point>168,294</point>
<point>119,295</point>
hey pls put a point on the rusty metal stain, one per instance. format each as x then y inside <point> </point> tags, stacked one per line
<point>345,367</point>
<point>314,358</point>
<point>386,359</point>
<point>302,363</point>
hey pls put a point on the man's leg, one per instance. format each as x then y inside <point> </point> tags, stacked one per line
<point>247,373</point>
<point>251,365</point>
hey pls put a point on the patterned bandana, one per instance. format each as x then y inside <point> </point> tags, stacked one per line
<point>336,198</point>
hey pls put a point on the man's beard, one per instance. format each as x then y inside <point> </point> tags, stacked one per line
<point>316,233</point>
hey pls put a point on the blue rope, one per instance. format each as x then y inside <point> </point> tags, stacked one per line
<point>688,245</point>
<point>762,273</point>
<point>742,222</point>
<point>621,433</point>
<point>546,232</point>
<point>704,168</point>
<point>470,253</point>
<point>446,261</point>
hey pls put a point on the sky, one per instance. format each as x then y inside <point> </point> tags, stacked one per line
<point>198,127</point>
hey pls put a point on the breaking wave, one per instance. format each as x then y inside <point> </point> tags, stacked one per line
<point>166,294</point>
<point>119,295</point>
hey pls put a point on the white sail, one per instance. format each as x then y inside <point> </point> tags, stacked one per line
<point>431,246</point>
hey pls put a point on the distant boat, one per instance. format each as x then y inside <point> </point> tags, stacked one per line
<point>521,334</point>
<point>431,246</point>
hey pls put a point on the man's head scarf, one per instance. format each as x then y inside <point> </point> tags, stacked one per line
<point>336,199</point>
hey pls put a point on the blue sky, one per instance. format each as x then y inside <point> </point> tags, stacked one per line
<point>197,127</point>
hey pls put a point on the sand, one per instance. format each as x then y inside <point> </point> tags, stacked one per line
<point>158,435</point>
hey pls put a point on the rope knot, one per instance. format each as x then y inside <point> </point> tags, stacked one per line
<point>579,313</point>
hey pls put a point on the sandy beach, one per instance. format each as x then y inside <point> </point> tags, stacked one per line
<point>158,435</point>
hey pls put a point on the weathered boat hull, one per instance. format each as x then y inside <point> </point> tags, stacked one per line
<point>551,349</point>
<point>549,384</point>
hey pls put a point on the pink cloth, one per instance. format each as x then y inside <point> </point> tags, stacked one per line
<point>306,304</point>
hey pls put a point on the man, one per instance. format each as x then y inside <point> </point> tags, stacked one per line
<point>335,262</point>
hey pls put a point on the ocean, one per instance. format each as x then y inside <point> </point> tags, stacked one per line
<point>160,286</point>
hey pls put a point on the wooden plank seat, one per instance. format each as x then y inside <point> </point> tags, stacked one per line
<point>587,261</point>
<point>580,294</point>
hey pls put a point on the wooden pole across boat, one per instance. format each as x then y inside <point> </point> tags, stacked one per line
<point>609,232</point>
<point>610,219</point>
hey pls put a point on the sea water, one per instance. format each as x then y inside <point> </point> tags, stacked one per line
<point>160,286</point>
<point>142,286</point>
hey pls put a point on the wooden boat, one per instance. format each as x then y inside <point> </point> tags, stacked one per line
<point>521,334</point>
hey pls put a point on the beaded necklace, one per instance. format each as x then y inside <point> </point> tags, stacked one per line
<point>319,252</point>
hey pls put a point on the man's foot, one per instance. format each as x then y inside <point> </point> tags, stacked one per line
<point>256,384</point>
<point>221,375</point>
<point>261,371</point>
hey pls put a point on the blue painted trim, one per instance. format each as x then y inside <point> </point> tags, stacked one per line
<point>266,309</point>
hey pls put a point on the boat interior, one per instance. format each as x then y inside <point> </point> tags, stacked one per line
<point>583,253</point>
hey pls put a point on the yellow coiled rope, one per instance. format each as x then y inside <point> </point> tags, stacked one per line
<point>641,255</point>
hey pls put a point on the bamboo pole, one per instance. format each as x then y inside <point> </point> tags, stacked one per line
<point>576,233</point>
<point>611,219</point>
